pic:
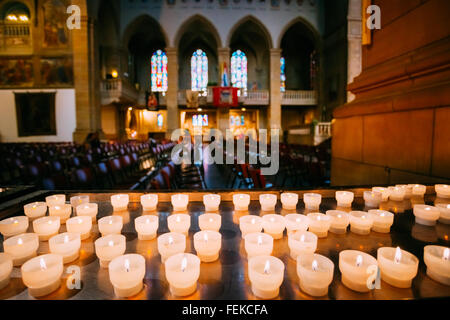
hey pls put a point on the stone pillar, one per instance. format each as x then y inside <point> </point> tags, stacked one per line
<point>275,91</point>
<point>173,115</point>
<point>354,65</point>
<point>223,114</point>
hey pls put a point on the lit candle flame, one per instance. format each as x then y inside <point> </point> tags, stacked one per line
<point>260,241</point>
<point>57,208</point>
<point>315,266</point>
<point>359,260</point>
<point>398,255</point>
<point>170,240</point>
<point>50,221</point>
<point>267,267</point>
<point>318,218</point>
<point>110,221</point>
<point>20,241</point>
<point>205,236</point>
<point>178,219</point>
<point>446,254</point>
<point>211,220</point>
<point>111,243</point>
<point>298,219</point>
<point>127,265</point>
<point>42,263</point>
<point>66,239</point>
<point>339,216</point>
<point>272,219</point>
<point>302,238</point>
<point>382,214</point>
<point>183,264</point>
<point>253,221</point>
<point>80,221</point>
<point>147,221</point>
<point>16,221</point>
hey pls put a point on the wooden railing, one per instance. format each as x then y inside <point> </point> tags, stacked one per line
<point>118,90</point>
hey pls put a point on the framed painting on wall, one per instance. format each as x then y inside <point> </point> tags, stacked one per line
<point>57,71</point>
<point>16,72</point>
<point>35,114</point>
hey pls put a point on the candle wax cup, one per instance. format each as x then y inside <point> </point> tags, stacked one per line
<point>250,224</point>
<point>6,267</point>
<point>35,210</point>
<point>207,245</point>
<point>339,221</point>
<point>109,247</point>
<point>210,221</point>
<point>296,222</point>
<point>418,189</point>
<point>170,244</point>
<point>127,274</point>
<point>42,275</point>
<point>268,202</point>
<point>444,209</point>
<point>55,200</point>
<point>46,227</point>
<point>120,202</point>
<point>211,202</point>
<point>312,201</point>
<point>442,191</point>
<point>241,202</point>
<point>354,266</point>
<point>315,273</point>
<point>384,192</point>
<point>397,193</point>
<point>13,226</point>
<point>397,273</point>
<point>302,242</point>
<point>110,225</point>
<point>360,222</point>
<point>319,224</point>
<point>372,199</point>
<point>78,200</point>
<point>258,244</point>
<point>63,211</point>
<point>426,215</point>
<point>88,209</point>
<point>146,227</point>
<point>67,245</point>
<point>149,202</point>
<point>266,275</point>
<point>437,260</point>
<point>182,272</point>
<point>344,198</point>
<point>180,202</point>
<point>289,201</point>
<point>179,223</point>
<point>81,225</point>
<point>382,220</point>
<point>274,225</point>
<point>21,247</point>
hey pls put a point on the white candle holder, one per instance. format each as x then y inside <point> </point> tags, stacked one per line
<point>120,202</point>
<point>289,201</point>
<point>361,222</point>
<point>210,221</point>
<point>339,221</point>
<point>180,202</point>
<point>418,189</point>
<point>35,210</point>
<point>266,275</point>
<point>268,202</point>
<point>109,247</point>
<point>14,226</point>
<point>312,201</point>
<point>302,242</point>
<point>296,222</point>
<point>110,225</point>
<point>126,274</point>
<point>211,202</point>
<point>426,215</point>
<point>63,212</point>
<point>182,273</point>
<point>397,193</point>
<point>274,224</point>
<point>241,202</point>
<point>437,260</point>
<point>408,189</point>
<point>6,267</point>
<point>315,273</point>
<point>146,227</point>
<point>78,200</point>
<point>46,227</point>
<point>149,202</point>
<point>385,192</point>
<point>67,245</point>
<point>319,224</point>
<point>354,266</point>
<point>22,247</point>
<point>444,209</point>
<point>81,225</point>
<point>179,223</point>
<point>382,220</point>
<point>372,199</point>
<point>207,244</point>
<point>56,200</point>
<point>250,224</point>
<point>88,210</point>
<point>397,267</point>
<point>258,244</point>
<point>42,275</point>
<point>170,244</point>
<point>344,198</point>
<point>442,191</point>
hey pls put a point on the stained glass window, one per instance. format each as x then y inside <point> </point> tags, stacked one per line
<point>159,71</point>
<point>199,70</point>
<point>239,71</point>
<point>283,74</point>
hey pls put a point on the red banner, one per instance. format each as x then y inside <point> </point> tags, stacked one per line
<point>225,97</point>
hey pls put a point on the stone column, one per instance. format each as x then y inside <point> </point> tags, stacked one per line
<point>275,91</point>
<point>223,121</point>
<point>354,65</point>
<point>173,115</point>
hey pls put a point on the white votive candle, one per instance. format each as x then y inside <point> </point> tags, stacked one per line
<point>418,189</point>
<point>360,222</point>
<point>170,244</point>
<point>274,224</point>
<point>207,244</point>
<point>397,267</point>
<point>109,247</point>
<point>62,211</point>
<point>180,202</point>
<point>296,222</point>
<point>182,272</point>
<point>385,192</point>
<point>149,202</point>
<point>67,245</point>
<point>78,200</point>
<point>339,221</point>
<point>408,189</point>
<point>179,223</point>
<point>250,224</point>
<point>6,267</point>
<point>382,220</point>
<point>258,244</point>
<point>126,274</point>
<point>46,227</point>
<point>268,202</point>
<point>211,202</point>
<point>13,226</point>
<point>442,191</point>
<point>354,266</point>
<point>210,221</point>
<point>302,242</point>
<point>319,224</point>
<point>426,215</point>
<point>21,247</point>
<point>372,199</point>
<point>344,198</point>
<point>146,227</point>
<point>312,201</point>
<point>241,202</point>
<point>266,275</point>
<point>120,202</point>
<point>437,260</point>
<point>110,225</point>
<point>444,209</point>
<point>35,210</point>
<point>55,200</point>
<point>315,273</point>
<point>42,275</point>
<point>81,225</point>
<point>289,200</point>
<point>89,210</point>
<point>397,193</point>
